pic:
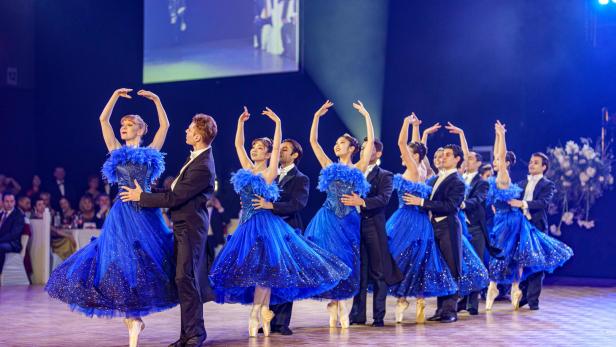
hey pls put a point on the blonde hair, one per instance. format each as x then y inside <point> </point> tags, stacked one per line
<point>135,118</point>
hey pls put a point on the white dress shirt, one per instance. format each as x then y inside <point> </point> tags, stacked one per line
<point>529,192</point>
<point>284,171</point>
<point>61,187</point>
<point>193,155</point>
<point>469,177</point>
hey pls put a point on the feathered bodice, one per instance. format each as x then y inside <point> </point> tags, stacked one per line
<point>403,186</point>
<point>337,180</point>
<point>126,164</point>
<point>500,197</point>
<point>248,185</point>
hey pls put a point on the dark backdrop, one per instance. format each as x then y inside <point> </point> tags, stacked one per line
<point>527,63</point>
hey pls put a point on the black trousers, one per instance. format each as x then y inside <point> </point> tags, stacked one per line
<point>531,288</point>
<point>188,244</point>
<point>371,271</point>
<point>282,317</point>
<point>449,241</point>
<point>478,242</point>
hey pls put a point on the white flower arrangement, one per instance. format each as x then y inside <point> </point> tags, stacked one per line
<point>582,174</point>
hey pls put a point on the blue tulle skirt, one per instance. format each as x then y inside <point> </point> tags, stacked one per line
<point>339,236</point>
<point>412,245</point>
<point>128,271</point>
<point>474,275</point>
<point>265,251</point>
<point>523,246</point>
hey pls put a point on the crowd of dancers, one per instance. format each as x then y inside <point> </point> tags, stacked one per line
<point>449,219</point>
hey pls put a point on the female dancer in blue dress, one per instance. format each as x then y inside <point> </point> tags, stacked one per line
<point>525,249</point>
<point>129,270</point>
<point>266,261</point>
<point>335,227</point>
<point>410,233</point>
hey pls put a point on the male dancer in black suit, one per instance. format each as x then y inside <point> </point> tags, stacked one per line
<point>294,187</point>
<point>447,196</point>
<point>474,206</point>
<point>538,193</point>
<point>377,264</point>
<point>187,201</point>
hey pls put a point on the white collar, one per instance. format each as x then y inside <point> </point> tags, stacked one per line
<point>534,178</point>
<point>370,168</point>
<point>285,170</point>
<point>445,173</point>
<point>469,176</point>
<point>8,213</point>
<point>194,154</point>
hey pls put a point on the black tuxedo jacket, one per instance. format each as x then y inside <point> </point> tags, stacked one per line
<point>293,199</point>
<point>11,229</point>
<point>187,202</point>
<point>54,191</point>
<point>538,207</point>
<point>373,220</point>
<point>447,198</point>
<point>187,206</point>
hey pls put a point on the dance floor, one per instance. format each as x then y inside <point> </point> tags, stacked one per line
<point>569,316</point>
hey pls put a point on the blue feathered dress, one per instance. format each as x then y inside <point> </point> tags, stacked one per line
<point>412,245</point>
<point>523,245</point>
<point>265,251</point>
<point>129,270</point>
<point>335,227</point>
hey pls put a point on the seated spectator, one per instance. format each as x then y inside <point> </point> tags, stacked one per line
<point>34,191</point>
<point>62,243</point>
<point>25,205</point>
<point>11,226</point>
<point>9,185</point>
<point>46,197</point>
<point>67,214</point>
<point>86,218</point>
<point>104,205</point>
<point>39,209</point>
<point>93,186</point>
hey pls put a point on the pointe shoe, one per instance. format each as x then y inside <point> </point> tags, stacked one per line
<point>420,313</point>
<point>516,296</point>
<point>135,327</point>
<point>343,315</point>
<point>332,308</point>
<point>401,306</point>
<point>266,317</point>
<point>253,321</point>
<point>491,296</point>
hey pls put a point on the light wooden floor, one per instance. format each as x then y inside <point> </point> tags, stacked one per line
<point>569,316</point>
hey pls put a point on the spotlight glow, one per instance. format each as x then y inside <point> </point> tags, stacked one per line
<point>604,2</point>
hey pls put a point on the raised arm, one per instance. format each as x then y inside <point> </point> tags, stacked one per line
<point>239,141</point>
<point>272,169</point>
<point>424,139</point>
<point>416,136</point>
<point>163,121</point>
<point>455,130</point>
<point>108,135</point>
<point>364,161</point>
<point>405,152</point>
<point>502,178</point>
<point>314,135</point>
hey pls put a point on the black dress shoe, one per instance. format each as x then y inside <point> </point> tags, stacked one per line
<point>473,311</point>
<point>285,331</point>
<point>448,319</point>
<point>196,341</point>
<point>353,322</point>
<point>534,307</point>
<point>435,318</point>
<point>178,343</point>
<point>523,302</point>
<point>378,323</point>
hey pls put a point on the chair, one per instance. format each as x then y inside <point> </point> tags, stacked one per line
<point>14,271</point>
